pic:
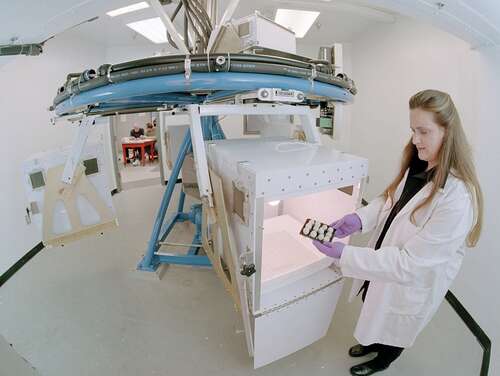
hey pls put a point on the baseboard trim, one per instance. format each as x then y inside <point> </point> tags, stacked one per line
<point>475,329</point>
<point>20,263</point>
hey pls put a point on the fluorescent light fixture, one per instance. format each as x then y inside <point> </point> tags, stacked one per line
<point>299,21</point>
<point>274,203</point>
<point>152,28</point>
<point>128,9</point>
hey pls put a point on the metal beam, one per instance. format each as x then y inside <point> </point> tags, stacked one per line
<point>155,4</point>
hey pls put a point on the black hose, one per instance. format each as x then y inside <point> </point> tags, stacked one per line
<point>203,57</point>
<point>206,64</point>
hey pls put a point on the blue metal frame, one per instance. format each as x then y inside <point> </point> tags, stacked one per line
<point>176,89</point>
<point>161,229</point>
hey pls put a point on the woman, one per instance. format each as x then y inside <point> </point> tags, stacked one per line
<point>421,224</point>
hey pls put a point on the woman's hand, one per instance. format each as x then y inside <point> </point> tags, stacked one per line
<point>330,249</point>
<point>347,225</point>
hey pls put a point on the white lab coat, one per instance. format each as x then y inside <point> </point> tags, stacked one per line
<point>414,267</point>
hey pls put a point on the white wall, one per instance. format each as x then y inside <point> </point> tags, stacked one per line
<point>479,278</point>
<point>28,87</point>
<point>392,62</point>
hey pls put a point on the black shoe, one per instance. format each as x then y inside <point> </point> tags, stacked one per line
<point>367,368</point>
<point>359,350</point>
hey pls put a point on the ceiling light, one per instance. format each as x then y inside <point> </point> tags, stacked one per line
<point>128,9</point>
<point>152,28</point>
<point>299,21</point>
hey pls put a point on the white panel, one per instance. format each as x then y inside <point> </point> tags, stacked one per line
<point>267,33</point>
<point>283,168</point>
<point>173,128</point>
<point>325,206</point>
<point>286,255</point>
<point>270,300</point>
<point>271,35</point>
<point>91,215</point>
<point>295,326</point>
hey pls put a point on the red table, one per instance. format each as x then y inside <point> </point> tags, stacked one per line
<point>139,144</point>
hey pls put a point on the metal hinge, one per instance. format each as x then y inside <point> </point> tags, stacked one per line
<point>247,270</point>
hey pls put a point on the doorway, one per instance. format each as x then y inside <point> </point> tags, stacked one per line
<point>136,144</point>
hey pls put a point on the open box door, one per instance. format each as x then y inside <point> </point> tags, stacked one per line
<point>219,245</point>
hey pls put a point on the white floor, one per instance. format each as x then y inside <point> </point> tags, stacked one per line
<point>84,310</point>
<point>132,175</point>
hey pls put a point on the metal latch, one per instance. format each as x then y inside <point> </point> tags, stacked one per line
<point>27,216</point>
<point>247,270</point>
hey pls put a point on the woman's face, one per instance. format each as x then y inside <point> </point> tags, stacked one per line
<point>427,135</point>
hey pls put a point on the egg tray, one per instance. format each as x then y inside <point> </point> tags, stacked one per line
<point>308,230</point>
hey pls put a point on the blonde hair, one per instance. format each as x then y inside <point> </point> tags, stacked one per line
<point>455,154</point>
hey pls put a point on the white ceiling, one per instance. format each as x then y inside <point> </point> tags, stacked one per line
<point>476,21</point>
<point>335,23</point>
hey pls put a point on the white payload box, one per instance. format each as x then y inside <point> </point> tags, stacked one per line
<point>256,30</point>
<point>253,31</point>
<point>270,187</point>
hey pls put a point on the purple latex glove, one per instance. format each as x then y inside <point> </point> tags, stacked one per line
<point>330,249</point>
<point>347,225</point>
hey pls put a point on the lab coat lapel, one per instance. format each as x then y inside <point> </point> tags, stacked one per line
<point>419,198</point>
<point>415,200</point>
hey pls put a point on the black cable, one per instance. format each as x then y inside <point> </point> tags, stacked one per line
<point>203,57</point>
<point>198,17</point>
<point>191,22</point>
<point>202,16</point>
<point>186,32</point>
<point>200,27</point>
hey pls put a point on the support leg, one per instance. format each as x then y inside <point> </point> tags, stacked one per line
<point>149,261</point>
<point>124,151</point>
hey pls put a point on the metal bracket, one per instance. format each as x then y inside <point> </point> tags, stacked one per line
<point>156,5</point>
<point>200,155</point>
<point>228,14</point>
<point>187,68</point>
<point>77,149</point>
